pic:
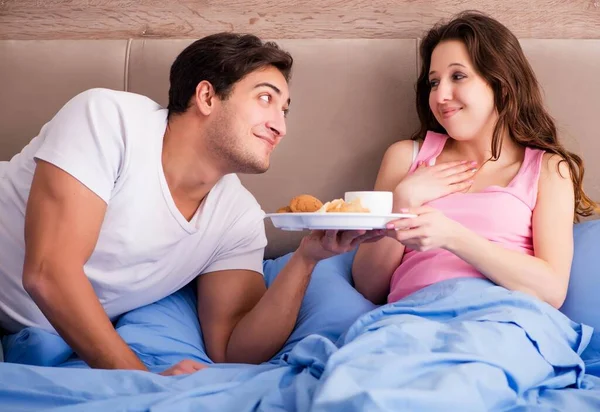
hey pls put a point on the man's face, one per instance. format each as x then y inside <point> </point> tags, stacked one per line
<point>250,122</point>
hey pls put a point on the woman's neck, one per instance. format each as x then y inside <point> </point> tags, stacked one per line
<point>480,149</point>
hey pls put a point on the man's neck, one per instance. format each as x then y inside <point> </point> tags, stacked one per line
<point>189,170</point>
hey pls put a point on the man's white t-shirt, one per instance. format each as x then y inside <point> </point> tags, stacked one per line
<point>111,142</point>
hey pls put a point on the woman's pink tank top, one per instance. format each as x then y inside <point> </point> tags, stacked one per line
<point>500,214</point>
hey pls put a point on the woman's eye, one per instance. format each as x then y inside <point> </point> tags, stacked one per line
<point>433,83</point>
<point>266,98</point>
<point>459,76</point>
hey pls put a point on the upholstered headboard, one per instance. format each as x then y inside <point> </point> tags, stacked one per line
<point>351,100</point>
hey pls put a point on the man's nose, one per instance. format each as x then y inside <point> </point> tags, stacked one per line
<point>277,125</point>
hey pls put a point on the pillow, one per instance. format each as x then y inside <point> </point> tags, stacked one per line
<point>35,346</point>
<point>331,303</point>
<point>581,304</point>
<point>165,332</point>
<point>161,334</point>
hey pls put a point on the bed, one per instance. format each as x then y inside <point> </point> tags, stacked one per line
<point>342,355</point>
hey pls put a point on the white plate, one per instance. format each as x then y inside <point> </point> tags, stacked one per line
<point>333,221</point>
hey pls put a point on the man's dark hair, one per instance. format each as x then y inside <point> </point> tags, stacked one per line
<point>222,59</point>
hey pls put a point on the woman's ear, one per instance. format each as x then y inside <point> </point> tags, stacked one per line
<point>504,92</point>
<point>205,97</point>
<point>500,96</point>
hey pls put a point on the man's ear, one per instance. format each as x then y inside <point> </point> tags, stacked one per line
<point>205,97</point>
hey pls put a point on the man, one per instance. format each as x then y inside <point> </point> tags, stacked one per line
<point>119,202</point>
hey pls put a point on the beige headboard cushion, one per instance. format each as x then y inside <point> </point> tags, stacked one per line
<point>350,100</point>
<point>567,71</point>
<point>37,77</point>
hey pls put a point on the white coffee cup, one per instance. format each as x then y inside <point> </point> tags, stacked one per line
<point>378,202</point>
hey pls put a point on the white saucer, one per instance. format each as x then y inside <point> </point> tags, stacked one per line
<point>333,221</point>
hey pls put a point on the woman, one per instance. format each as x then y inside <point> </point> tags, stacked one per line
<point>473,281</point>
<point>494,190</point>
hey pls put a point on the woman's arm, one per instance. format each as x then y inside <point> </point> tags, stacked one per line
<point>375,262</point>
<point>546,274</point>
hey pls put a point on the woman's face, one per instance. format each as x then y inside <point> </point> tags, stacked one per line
<point>460,99</point>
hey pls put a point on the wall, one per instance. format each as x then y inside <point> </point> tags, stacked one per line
<point>118,19</point>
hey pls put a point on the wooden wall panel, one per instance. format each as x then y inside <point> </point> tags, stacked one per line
<point>119,19</point>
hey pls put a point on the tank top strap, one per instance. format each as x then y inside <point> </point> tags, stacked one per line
<point>526,181</point>
<point>430,150</point>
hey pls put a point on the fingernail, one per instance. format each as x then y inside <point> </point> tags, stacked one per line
<point>389,226</point>
<point>473,170</point>
<point>474,162</point>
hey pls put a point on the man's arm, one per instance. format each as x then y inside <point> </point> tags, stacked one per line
<point>242,321</point>
<point>62,224</point>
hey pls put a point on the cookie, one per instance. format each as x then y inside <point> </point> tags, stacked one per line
<point>305,204</point>
<point>354,206</point>
<point>340,206</point>
<point>284,209</point>
<point>333,206</point>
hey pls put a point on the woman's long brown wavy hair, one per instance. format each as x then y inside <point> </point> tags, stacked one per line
<point>497,56</point>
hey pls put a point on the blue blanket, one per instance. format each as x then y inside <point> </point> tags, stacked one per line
<point>458,345</point>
